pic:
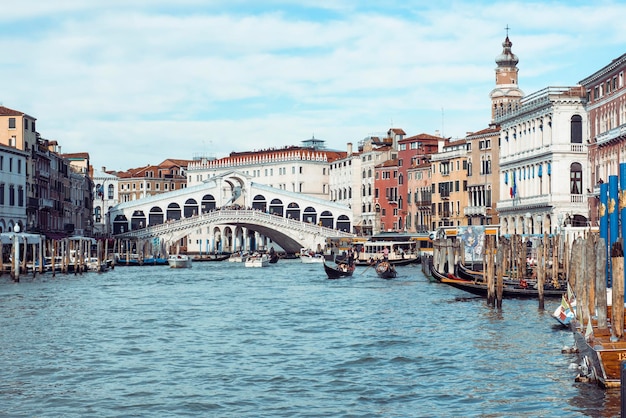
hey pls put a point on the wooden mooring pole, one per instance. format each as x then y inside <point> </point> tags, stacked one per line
<point>617,310</point>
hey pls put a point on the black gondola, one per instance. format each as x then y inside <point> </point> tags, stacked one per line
<point>342,270</point>
<point>386,270</point>
<point>509,290</point>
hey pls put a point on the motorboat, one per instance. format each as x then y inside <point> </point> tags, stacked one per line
<point>258,260</point>
<point>309,257</point>
<point>179,261</point>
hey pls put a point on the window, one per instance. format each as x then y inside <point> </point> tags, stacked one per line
<point>11,195</point>
<point>112,190</point>
<point>11,123</point>
<point>576,178</point>
<point>576,124</point>
<point>20,196</point>
<point>1,193</point>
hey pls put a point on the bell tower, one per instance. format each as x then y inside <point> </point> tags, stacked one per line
<point>506,95</point>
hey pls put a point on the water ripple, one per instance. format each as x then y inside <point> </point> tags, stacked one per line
<point>222,340</point>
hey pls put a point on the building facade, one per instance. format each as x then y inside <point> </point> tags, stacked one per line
<point>151,180</point>
<point>606,108</point>
<point>543,163</point>
<point>12,188</point>
<point>299,169</point>
<point>449,185</point>
<point>414,155</point>
<point>483,167</point>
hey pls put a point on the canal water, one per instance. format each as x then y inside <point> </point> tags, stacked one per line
<point>222,340</point>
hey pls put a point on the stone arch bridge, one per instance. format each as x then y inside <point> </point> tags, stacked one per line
<point>232,213</point>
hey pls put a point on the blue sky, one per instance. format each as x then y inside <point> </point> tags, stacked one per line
<point>135,82</point>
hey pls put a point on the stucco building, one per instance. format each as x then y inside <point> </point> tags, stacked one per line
<point>606,106</point>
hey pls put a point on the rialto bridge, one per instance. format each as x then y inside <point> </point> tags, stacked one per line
<point>232,213</point>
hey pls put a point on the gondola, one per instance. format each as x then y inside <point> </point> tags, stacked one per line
<point>396,262</point>
<point>342,270</point>
<point>509,290</point>
<point>386,270</point>
<point>273,256</point>
<point>212,257</point>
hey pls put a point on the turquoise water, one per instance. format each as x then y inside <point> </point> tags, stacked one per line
<point>222,340</point>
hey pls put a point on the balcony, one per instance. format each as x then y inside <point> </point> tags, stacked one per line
<point>45,203</point>
<point>611,135</point>
<point>475,211</point>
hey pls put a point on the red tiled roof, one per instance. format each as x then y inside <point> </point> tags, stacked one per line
<point>484,131</point>
<point>421,137</point>
<point>81,155</point>
<point>5,111</point>
<point>397,131</point>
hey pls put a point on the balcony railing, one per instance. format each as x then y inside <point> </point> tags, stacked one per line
<point>475,210</point>
<point>608,136</point>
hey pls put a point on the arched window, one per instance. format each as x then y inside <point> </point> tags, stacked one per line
<point>576,178</point>
<point>576,124</point>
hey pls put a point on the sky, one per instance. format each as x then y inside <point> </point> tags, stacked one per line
<point>135,82</point>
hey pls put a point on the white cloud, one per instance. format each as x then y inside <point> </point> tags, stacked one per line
<point>134,83</point>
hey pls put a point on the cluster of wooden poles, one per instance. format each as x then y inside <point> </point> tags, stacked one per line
<point>68,255</point>
<point>508,258</point>
<point>128,248</point>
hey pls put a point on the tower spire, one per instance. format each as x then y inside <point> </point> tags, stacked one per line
<point>506,94</point>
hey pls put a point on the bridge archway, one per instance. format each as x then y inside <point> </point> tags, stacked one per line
<point>327,219</point>
<point>120,224</point>
<point>293,211</point>
<point>227,239</point>
<point>155,217</point>
<point>191,208</point>
<point>259,203</point>
<point>173,211</point>
<point>138,220</point>
<point>239,239</point>
<point>276,207</point>
<point>217,236</point>
<point>343,223</point>
<point>310,215</point>
<point>208,203</point>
